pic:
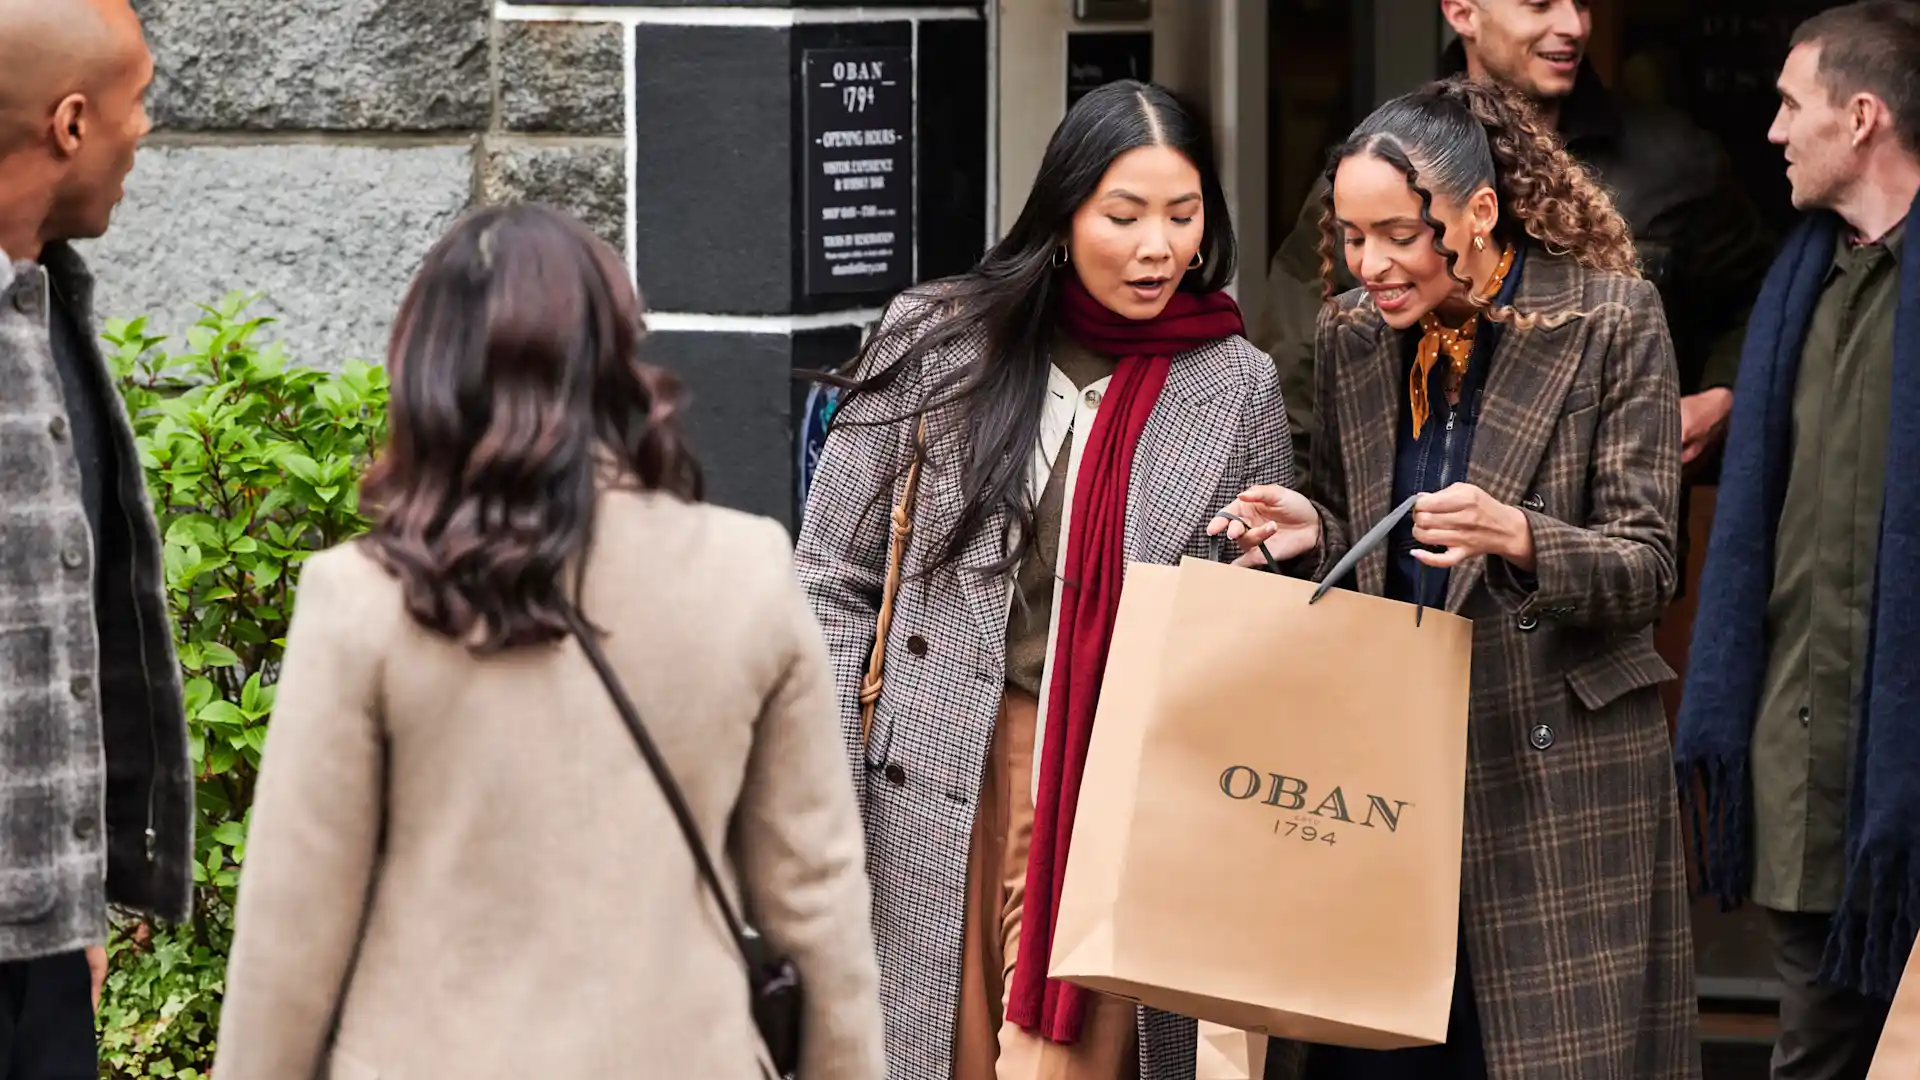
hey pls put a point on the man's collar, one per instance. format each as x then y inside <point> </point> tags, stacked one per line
<point>65,266</point>
<point>1589,114</point>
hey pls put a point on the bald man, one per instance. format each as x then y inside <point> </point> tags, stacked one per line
<point>96,795</point>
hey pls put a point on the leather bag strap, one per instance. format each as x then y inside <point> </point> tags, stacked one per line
<point>875,680</point>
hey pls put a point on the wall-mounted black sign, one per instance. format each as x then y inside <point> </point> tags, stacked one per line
<point>1096,59</point>
<point>858,225</point>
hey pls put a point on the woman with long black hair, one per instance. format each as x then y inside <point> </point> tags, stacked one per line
<point>1081,400</point>
<point>460,863</point>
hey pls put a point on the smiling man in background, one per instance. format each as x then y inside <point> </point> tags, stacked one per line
<point>1700,239</point>
<point>96,795</point>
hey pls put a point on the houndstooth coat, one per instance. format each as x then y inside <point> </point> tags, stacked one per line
<point>1573,884</point>
<point>1218,426</point>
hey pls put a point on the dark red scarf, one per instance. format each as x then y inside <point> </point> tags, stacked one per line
<point>1090,599</point>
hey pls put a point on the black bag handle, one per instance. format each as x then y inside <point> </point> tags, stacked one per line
<point>1361,549</point>
<point>753,948</point>
<point>1365,546</point>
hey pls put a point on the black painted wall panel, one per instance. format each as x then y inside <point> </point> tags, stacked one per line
<point>712,169</point>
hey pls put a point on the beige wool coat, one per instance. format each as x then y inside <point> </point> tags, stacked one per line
<point>462,867</point>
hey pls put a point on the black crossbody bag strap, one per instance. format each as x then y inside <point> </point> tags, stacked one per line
<point>772,978</point>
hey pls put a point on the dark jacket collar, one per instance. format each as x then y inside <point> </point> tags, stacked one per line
<point>1589,115</point>
<point>65,270</point>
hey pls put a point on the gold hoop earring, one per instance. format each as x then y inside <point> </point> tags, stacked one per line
<point>1061,256</point>
<point>1479,243</point>
<point>1197,261</point>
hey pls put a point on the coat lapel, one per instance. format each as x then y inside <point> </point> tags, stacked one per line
<point>1182,454</point>
<point>942,500</point>
<point>1531,374</point>
<point>1367,405</point>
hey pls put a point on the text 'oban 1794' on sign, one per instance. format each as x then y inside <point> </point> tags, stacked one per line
<point>858,217</point>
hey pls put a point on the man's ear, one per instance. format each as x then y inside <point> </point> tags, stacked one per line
<point>1463,16</point>
<point>1864,113</point>
<point>71,118</point>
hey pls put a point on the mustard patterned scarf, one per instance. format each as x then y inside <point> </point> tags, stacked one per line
<point>1437,338</point>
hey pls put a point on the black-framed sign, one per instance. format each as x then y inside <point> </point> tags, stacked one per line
<point>1095,59</point>
<point>858,116</point>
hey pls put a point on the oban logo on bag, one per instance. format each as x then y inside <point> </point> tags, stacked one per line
<point>1292,793</point>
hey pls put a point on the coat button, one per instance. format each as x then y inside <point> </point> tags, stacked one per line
<point>1093,399</point>
<point>1534,503</point>
<point>80,686</point>
<point>1806,716</point>
<point>27,300</point>
<point>896,776</point>
<point>1541,736</point>
<point>57,427</point>
<point>917,645</point>
<point>83,827</point>
<point>74,558</point>
<point>1527,623</point>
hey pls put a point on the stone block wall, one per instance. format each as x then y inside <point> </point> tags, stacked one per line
<point>313,152</point>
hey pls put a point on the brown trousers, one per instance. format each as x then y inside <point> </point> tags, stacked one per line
<point>986,1047</point>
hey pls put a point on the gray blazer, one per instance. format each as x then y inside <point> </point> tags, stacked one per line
<point>1218,427</point>
<point>91,723</point>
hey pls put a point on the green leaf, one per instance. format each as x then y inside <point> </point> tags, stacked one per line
<point>219,655</point>
<point>302,466</point>
<point>250,693</point>
<point>198,693</point>
<point>222,714</point>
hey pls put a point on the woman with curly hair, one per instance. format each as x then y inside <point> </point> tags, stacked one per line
<point>1504,365</point>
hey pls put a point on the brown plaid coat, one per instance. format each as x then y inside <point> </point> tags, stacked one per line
<point>1573,884</point>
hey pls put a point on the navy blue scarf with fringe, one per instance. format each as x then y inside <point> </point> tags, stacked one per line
<point>1875,927</point>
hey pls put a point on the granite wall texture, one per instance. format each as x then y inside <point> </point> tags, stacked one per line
<point>313,152</point>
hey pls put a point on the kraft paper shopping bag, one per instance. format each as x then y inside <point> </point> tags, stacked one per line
<point>1229,1054</point>
<point>1268,834</point>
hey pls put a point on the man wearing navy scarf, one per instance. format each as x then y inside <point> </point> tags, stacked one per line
<point>1801,718</point>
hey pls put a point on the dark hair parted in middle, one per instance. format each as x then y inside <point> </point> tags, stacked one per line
<point>1453,137</point>
<point>517,396</point>
<point>1012,295</point>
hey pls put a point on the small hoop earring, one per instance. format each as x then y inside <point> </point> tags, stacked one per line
<point>1061,256</point>
<point>1479,243</point>
<point>1197,261</point>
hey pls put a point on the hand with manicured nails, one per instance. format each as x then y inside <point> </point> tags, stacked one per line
<point>1269,514</point>
<point>1467,521</point>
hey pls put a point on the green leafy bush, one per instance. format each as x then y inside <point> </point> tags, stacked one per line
<point>253,464</point>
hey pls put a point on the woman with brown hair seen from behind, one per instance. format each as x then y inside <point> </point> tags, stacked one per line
<point>1504,362</point>
<point>460,863</point>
